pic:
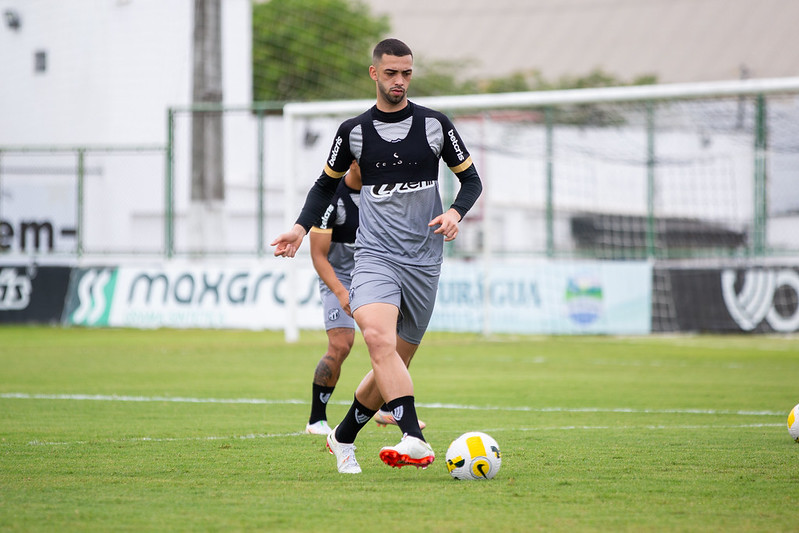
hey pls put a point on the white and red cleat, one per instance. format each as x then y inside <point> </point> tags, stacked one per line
<point>411,451</point>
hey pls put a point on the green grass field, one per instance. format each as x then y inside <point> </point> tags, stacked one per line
<point>122,430</point>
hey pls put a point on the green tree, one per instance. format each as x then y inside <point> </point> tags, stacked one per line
<point>306,50</point>
<point>437,78</point>
<point>313,49</point>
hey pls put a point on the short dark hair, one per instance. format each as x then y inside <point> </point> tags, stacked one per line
<point>392,47</point>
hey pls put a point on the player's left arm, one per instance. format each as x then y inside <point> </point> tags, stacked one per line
<point>457,158</point>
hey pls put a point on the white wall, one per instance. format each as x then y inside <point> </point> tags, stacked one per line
<point>113,68</point>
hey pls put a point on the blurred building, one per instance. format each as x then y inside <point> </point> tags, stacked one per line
<point>676,40</point>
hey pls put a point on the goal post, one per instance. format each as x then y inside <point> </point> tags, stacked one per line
<point>653,172</point>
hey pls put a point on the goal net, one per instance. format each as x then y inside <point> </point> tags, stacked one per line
<point>674,175</point>
<point>661,172</point>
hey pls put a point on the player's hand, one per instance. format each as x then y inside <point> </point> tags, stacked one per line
<point>448,224</point>
<point>344,302</point>
<point>287,244</point>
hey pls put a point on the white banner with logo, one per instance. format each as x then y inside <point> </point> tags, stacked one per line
<point>545,297</point>
<point>186,295</point>
<point>550,297</point>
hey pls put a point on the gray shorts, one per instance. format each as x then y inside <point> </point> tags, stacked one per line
<point>335,317</point>
<point>412,289</point>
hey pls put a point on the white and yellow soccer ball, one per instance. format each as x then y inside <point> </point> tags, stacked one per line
<point>473,455</point>
<point>793,423</point>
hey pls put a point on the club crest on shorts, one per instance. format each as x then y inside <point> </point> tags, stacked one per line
<point>333,315</point>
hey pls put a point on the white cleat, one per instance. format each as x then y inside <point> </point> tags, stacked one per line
<point>345,455</point>
<point>319,427</point>
<point>384,418</point>
<point>411,451</point>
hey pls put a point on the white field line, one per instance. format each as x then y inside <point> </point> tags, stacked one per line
<point>650,427</point>
<point>168,439</point>
<point>487,430</point>
<point>116,398</point>
<point>262,401</point>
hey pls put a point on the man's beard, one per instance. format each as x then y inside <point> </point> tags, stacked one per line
<point>391,98</point>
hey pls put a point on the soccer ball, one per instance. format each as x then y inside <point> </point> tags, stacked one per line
<point>793,423</point>
<point>473,455</point>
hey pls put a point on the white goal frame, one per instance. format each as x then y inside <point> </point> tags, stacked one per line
<point>293,112</point>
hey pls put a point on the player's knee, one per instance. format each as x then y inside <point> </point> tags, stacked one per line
<point>340,348</point>
<point>339,343</point>
<point>379,341</point>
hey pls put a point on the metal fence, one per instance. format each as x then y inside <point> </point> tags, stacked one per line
<point>664,172</point>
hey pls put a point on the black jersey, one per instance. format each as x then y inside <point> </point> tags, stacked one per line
<point>341,219</point>
<point>399,154</point>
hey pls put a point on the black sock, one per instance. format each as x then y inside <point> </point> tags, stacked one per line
<point>357,417</point>
<point>321,395</point>
<point>404,411</point>
<point>384,407</point>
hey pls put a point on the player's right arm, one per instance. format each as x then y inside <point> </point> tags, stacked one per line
<point>318,198</point>
<point>287,244</point>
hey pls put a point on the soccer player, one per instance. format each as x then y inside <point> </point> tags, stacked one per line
<point>399,245</point>
<point>332,253</point>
